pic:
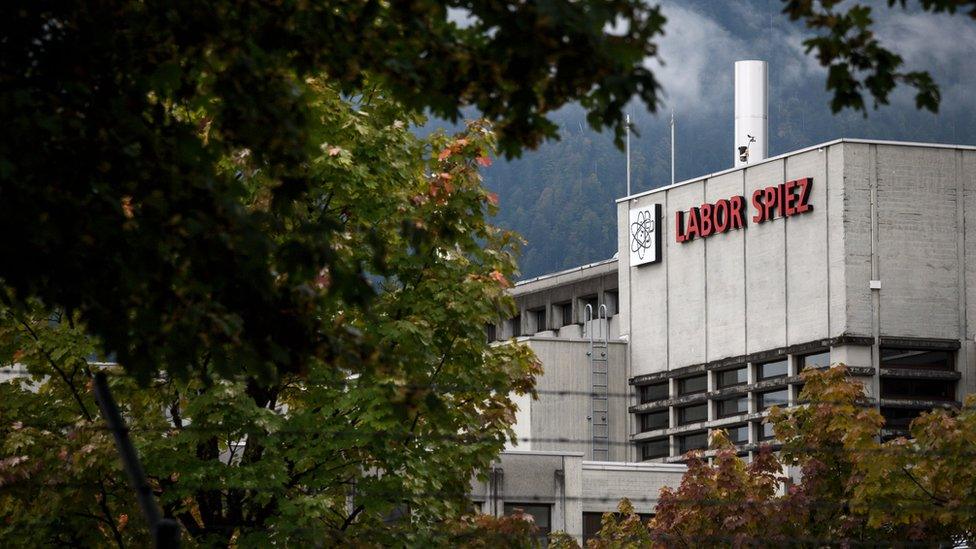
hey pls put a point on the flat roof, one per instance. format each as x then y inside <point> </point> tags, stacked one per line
<point>798,151</point>
<point>574,273</point>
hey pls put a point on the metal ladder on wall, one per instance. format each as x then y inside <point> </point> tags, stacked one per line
<point>599,418</point>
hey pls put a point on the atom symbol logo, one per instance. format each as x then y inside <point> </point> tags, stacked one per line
<point>642,233</point>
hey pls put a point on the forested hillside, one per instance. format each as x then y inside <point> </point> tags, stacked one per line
<point>561,196</point>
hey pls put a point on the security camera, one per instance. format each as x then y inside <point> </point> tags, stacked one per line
<point>743,153</point>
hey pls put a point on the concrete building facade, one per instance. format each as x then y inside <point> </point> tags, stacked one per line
<point>725,287</point>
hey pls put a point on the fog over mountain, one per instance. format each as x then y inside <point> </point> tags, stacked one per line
<point>561,196</point>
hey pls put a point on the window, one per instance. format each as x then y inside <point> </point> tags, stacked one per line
<point>769,399</point>
<point>517,326</point>
<point>738,434</point>
<point>692,414</point>
<point>565,313</point>
<point>764,431</point>
<point>654,449</point>
<point>694,441</point>
<point>899,418</point>
<point>654,420</point>
<point>591,301</point>
<point>657,391</point>
<point>732,378</point>
<point>612,300</point>
<point>541,515</point>
<point>490,332</point>
<point>693,385</point>
<point>592,522</point>
<point>772,370</point>
<point>732,406</point>
<point>539,317</point>
<point>918,389</point>
<point>922,360</point>
<point>815,360</point>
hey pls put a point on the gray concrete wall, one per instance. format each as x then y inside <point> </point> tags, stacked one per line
<point>550,478</point>
<point>744,291</point>
<point>555,417</point>
<point>898,213</point>
<point>605,484</point>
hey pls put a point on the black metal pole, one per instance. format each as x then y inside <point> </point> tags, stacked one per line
<point>165,532</point>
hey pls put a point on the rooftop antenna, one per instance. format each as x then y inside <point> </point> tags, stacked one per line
<point>672,146</point>
<point>628,155</point>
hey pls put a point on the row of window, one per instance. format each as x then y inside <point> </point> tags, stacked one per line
<point>891,388</point>
<point>739,375</point>
<point>726,407</point>
<point>562,315</point>
<point>541,514</point>
<point>698,440</point>
<point>733,377</point>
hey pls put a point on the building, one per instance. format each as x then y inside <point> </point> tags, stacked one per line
<point>725,287</point>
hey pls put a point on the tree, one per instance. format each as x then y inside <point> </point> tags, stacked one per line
<point>856,60</point>
<point>114,195</point>
<point>114,200</point>
<point>408,404</point>
<point>852,489</point>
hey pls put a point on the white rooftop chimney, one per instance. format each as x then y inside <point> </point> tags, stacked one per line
<point>751,112</point>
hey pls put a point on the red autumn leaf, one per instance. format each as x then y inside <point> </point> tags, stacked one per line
<point>483,161</point>
<point>444,154</point>
<point>492,198</point>
<point>500,278</point>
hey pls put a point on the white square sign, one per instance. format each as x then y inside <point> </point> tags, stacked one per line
<point>645,234</point>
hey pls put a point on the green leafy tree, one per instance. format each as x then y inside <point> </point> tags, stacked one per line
<point>393,420</point>
<point>853,489</point>
<point>122,106</point>
<point>130,107</point>
<point>856,60</point>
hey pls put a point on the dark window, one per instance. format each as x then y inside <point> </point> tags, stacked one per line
<point>919,389</point>
<point>612,300</point>
<point>694,441</point>
<point>814,360</point>
<point>657,391</point>
<point>771,370</point>
<point>654,420</point>
<point>654,449</point>
<point>767,400</point>
<point>764,431</point>
<point>927,360</point>
<point>731,378</point>
<point>732,406</point>
<point>738,434</point>
<point>539,315</point>
<point>517,326</point>
<point>899,418</point>
<point>566,313</point>
<point>592,522</point>
<point>591,301</point>
<point>798,390</point>
<point>692,385</point>
<point>692,414</point>
<point>490,332</point>
<point>541,516</point>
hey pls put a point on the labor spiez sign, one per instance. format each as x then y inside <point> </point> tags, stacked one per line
<point>645,234</point>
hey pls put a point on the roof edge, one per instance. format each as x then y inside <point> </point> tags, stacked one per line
<point>791,153</point>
